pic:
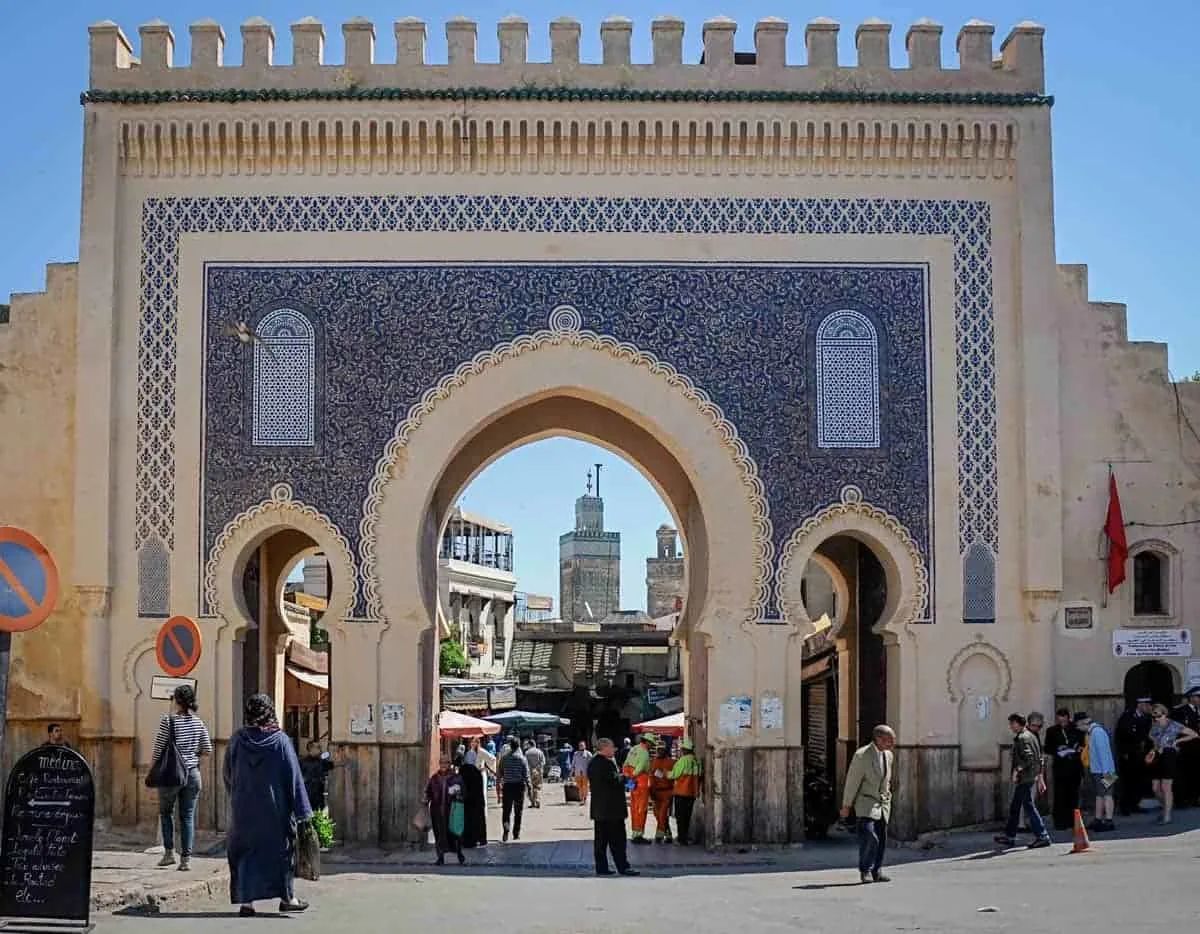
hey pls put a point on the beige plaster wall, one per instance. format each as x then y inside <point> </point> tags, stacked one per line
<point>37,423</point>
<point>1014,180</point>
<point>1124,411</point>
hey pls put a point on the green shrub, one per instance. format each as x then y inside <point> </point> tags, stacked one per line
<point>452,661</point>
<point>324,826</point>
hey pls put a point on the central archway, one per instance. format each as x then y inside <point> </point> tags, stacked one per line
<point>580,385</point>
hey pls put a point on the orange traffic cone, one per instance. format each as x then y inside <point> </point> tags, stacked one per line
<point>1082,843</point>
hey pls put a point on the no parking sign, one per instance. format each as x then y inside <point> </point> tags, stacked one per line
<point>28,581</point>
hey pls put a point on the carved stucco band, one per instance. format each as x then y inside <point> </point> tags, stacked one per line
<point>565,327</point>
<point>978,648</point>
<point>914,598</point>
<point>282,510</point>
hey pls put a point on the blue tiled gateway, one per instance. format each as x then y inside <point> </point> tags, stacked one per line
<point>817,304</point>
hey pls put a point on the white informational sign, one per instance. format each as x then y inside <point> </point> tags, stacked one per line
<point>362,720</point>
<point>770,711</point>
<point>1193,674</point>
<point>1152,643</point>
<point>392,718</point>
<point>736,714</point>
<point>163,688</point>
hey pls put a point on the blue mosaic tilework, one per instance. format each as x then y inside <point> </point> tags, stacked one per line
<point>966,222</point>
<point>390,331</point>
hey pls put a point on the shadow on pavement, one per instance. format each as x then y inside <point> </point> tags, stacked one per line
<point>818,886</point>
<point>139,912</point>
<point>553,872</point>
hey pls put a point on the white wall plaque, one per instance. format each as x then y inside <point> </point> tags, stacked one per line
<point>1152,643</point>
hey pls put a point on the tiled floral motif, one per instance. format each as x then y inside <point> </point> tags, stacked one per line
<point>966,222</point>
<point>391,331</point>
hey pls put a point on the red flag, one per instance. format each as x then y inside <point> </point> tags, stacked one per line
<point>1114,528</point>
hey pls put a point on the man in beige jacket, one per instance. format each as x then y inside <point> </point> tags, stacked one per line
<point>869,792</point>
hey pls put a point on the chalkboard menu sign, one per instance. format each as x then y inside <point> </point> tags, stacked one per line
<point>46,841</point>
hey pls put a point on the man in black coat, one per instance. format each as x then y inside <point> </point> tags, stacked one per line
<point>1187,783</point>
<point>1132,738</point>
<point>608,811</point>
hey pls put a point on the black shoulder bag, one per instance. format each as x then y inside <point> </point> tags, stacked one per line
<point>167,770</point>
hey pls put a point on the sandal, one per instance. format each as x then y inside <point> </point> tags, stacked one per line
<point>298,905</point>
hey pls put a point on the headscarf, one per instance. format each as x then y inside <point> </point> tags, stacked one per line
<point>260,712</point>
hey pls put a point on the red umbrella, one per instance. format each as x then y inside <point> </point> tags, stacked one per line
<point>663,726</point>
<point>460,726</point>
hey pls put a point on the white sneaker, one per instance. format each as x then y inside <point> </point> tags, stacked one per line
<point>167,860</point>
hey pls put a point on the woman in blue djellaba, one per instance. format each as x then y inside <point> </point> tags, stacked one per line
<point>267,801</point>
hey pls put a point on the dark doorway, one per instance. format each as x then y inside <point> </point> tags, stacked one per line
<point>872,655</point>
<point>1150,679</point>
<point>250,653</point>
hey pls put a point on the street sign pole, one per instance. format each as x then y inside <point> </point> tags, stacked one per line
<point>5,659</point>
<point>28,595</point>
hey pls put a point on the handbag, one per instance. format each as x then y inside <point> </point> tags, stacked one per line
<point>167,770</point>
<point>308,852</point>
<point>421,820</point>
<point>458,818</point>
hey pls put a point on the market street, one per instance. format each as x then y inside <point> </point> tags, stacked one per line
<point>1142,884</point>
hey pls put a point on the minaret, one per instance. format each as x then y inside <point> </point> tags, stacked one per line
<point>589,572</point>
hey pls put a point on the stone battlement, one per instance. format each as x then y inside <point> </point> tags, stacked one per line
<point>1017,71</point>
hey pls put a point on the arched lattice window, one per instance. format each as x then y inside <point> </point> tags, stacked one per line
<point>847,382</point>
<point>979,585</point>
<point>284,381</point>
<point>154,578</point>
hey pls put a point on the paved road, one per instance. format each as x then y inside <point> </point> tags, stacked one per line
<point>1143,885</point>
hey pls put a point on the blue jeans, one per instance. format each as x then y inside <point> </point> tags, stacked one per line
<point>872,841</point>
<point>1023,798</point>
<point>186,796</point>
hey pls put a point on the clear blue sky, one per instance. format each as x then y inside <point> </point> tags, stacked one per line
<point>1126,134</point>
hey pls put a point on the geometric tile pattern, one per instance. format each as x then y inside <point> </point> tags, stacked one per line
<point>847,382</point>
<point>284,380</point>
<point>404,335</point>
<point>966,222</point>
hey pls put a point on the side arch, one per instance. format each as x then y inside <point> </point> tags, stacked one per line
<point>907,577</point>
<point>232,549</point>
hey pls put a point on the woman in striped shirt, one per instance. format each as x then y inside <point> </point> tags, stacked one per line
<point>192,741</point>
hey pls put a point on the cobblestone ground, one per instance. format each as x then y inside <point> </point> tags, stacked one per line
<point>1142,880</point>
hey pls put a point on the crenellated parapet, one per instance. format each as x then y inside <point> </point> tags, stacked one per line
<point>1013,74</point>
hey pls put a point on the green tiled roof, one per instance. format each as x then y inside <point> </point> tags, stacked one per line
<point>234,96</point>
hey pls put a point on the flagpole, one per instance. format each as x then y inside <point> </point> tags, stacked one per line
<point>1107,541</point>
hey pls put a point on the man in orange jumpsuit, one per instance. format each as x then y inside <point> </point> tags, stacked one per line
<point>661,789</point>
<point>637,769</point>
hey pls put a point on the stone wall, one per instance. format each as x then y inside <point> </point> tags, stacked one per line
<point>1127,414</point>
<point>37,423</point>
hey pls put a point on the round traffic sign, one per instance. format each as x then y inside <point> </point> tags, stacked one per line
<point>178,646</point>
<point>28,581</point>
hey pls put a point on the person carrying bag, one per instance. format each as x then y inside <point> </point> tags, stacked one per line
<point>181,742</point>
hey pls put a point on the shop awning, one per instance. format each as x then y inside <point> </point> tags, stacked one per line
<point>305,688</point>
<point>320,682</point>
<point>670,704</point>
<point>503,697</point>
<point>464,697</point>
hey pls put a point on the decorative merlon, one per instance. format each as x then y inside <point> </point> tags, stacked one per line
<point>1017,69</point>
